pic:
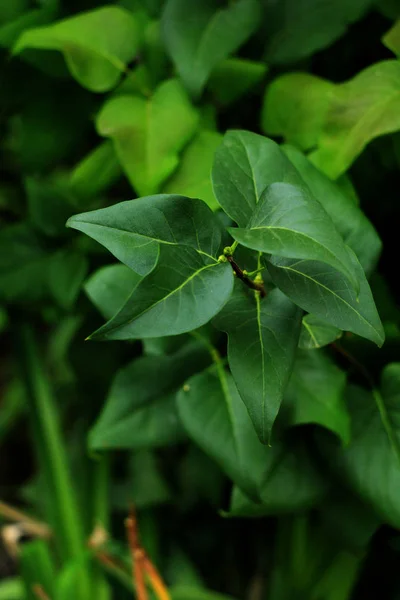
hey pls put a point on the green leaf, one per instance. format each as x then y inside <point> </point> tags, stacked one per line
<point>356,230</point>
<point>10,32</point>
<point>315,394</point>
<point>369,464</point>
<point>263,336</point>
<point>198,44</point>
<point>295,107</point>
<point>140,410</point>
<point>145,485</point>
<point>97,45</point>
<point>298,28</point>
<point>245,164</point>
<point>134,230</point>
<point>215,417</point>
<point>49,205</point>
<point>109,288</point>
<point>289,222</point>
<point>316,333</point>
<point>37,567</point>
<point>67,270</point>
<point>149,133</point>
<point>361,109</point>
<point>11,588</point>
<point>391,39</point>
<point>291,483</point>
<point>233,78</point>
<point>182,293</point>
<point>96,172</point>
<point>326,293</point>
<point>193,176</point>
<point>24,265</point>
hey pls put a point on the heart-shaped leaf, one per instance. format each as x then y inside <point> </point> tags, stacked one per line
<point>97,45</point>
<point>149,133</point>
<point>134,230</point>
<point>198,43</point>
<point>289,222</point>
<point>182,293</point>
<point>323,291</point>
<point>263,336</point>
<point>245,164</point>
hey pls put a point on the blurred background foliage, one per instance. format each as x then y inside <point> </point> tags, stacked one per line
<point>103,102</point>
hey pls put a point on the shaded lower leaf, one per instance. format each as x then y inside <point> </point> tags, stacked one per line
<point>316,333</point>
<point>24,265</point>
<point>370,465</point>
<point>315,394</point>
<point>182,293</point>
<point>291,483</point>
<point>109,288</point>
<point>67,271</point>
<point>140,409</point>
<point>263,336</point>
<point>215,417</point>
<point>323,291</point>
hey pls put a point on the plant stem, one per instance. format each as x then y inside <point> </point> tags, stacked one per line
<point>49,445</point>
<point>254,285</point>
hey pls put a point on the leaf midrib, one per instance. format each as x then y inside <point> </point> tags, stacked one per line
<point>146,237</point>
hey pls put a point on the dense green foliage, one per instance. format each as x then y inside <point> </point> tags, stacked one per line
<point>198,236</point>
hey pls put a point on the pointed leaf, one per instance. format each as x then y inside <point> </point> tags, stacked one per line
<point>263,336</point>
<point>355,228</point>
<point>289,222</point>
<point>323,291</point>
<point>133,230</point>
<point>109,288</point>
<point>182,293</point>
<point>245,164</point>
<point>97,45</point>
<point>193,177</point>
<point>215,417</point>
<point>316,333</point>
<point>149,133</point>
<point>369,465</point>
<point>315,394</point>
<point>140,409</point>
<point>198,44</point>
